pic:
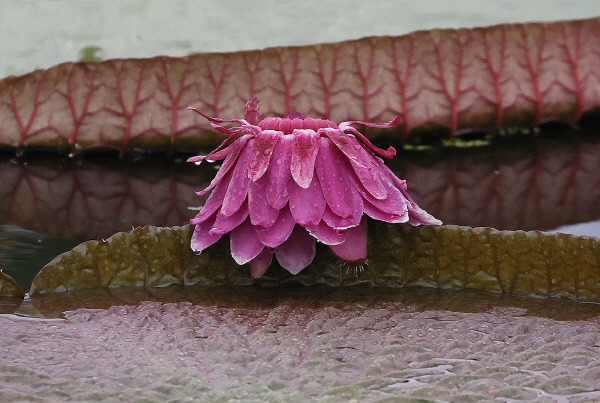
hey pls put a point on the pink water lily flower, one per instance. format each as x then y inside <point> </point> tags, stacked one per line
<point>285,182</point>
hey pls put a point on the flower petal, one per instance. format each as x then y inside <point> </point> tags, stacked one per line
<point>380,215</point>
<point>280,178</point>
<point>297,252</point>
<point>307,205</point>
<point>417,215</point>
<point>354,248</point>
<point>339,223</point>
<point>233,153</point>
<point>261,212</point>
<point>332,172</point>
<point>251,114</point>
<point>201,238</point>
<point>214,201</point>
<point>342,141</point>
<point>277,233</point>
<point>327,235</point>
<point>305,147</point>
<point>244,242</point>
<point>262,149</point>
<point>390,152</point>
<point>368,170</point>
<point>260,264</point>
<point>238,185</point>
<point>394,203</point>
<point>223,224</point>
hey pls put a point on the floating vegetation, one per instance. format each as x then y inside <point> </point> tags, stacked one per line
<point>9,287</point>
<point>446,257</point>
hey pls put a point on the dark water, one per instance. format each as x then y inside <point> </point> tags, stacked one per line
<point>424,343</point>
<point>422,299</point>
<point>49,203</point>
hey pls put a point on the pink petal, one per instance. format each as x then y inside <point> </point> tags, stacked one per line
<point>305,147</point>
<point>342,142</point>
<point>297,252</point>
<point>214,201</point>
<point>197,159</point>
<point>280,178</point>
<point>390,152</point>
<point>394,203</point>
<point>340,223</point>
<point>260,264</point>
<point>261,212</point>
<point>201,238</point>
<point>223,224</point>
<point>269,123</point>
<point>368,171</point>
<point>380,215</point>
<point>262,149</point>
<point>333,172</point>
<point>417,215</point>
<point>230,161</point>
<point>251,114</point>
<point>327,235</point>
<point>354,248</point>
<point>307,205</point>
<point>276,234</point>
<point>245,245</point>
<point>238,185</point>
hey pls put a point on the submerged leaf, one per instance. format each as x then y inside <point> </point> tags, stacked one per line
<point>9,287</point>
<point>449,257</point>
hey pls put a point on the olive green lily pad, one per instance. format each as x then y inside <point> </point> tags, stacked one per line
<point>449,257</point>
<point>9,287</point>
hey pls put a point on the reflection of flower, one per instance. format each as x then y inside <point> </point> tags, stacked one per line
<point>286,181</point>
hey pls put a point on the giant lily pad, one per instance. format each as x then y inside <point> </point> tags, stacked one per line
<point>482,78</point>
<point>9,287</point>
<point>449,257</point>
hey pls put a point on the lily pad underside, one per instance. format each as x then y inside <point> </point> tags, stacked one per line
<point>449,257</point>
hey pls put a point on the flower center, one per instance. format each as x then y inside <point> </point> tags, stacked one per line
<point>294,120</point>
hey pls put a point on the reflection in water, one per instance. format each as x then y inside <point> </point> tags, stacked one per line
<point>534,183</point>
<point>92,199</point>
<point>539,182</point>
<point>423,299</point>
